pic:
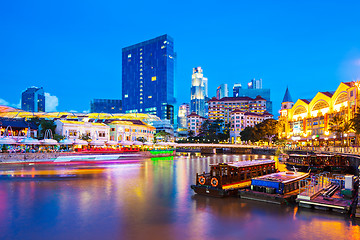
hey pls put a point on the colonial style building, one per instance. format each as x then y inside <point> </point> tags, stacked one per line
<point>194,122</point>
<point>131,130</point>
<point>241,119</point>
<point>222,108</point>
<point>77,129</point>
<point>307,120</point>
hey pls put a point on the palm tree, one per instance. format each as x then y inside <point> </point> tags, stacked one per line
<point>356,123</point>
<point>347,126</point>
<point>336,126</point>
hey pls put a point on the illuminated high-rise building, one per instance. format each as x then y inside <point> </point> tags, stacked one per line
<point>148,78</point>
<point>33,100</point>
<point>199,88</point>
<point>236,88</point>
<point>184,111</point>
<point>222,91</point>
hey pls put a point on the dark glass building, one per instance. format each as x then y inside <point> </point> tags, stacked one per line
<point>105,106</point>
<point>148,78</point>
<point>33,100</point>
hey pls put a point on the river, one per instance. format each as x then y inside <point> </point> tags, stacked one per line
<point>150,199</point>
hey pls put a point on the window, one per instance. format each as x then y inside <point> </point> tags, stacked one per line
<point>129,55</point>
<point>153,78</point>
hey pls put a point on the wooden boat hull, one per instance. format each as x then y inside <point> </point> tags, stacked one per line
<point>213,192</point>
<point>266,197</point>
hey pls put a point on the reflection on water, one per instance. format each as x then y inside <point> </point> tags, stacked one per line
<point>148,199</point>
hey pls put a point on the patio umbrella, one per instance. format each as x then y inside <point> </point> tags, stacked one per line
<point>112,143</point>
<point>97,143</point>
<point>126,143</point>
<point>49,142</point>
<point>138,143</point>
<point>80,142</point>
<point>66,142</point>
<point>29,141</point>
<point>7,140</point>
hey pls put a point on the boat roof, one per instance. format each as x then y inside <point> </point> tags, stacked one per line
<point>246,163</point>
<point>283,177</point>
<point>299,155</point>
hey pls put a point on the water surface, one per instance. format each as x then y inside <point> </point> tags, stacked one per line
<point>151,199</point>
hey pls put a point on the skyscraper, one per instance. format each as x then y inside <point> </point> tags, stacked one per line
<point>199,86</point>
<point>236,88</point>
<point>148,78</point>
<point>105,106</point>
<point>255,84</point>
<point>33,100</point>
<point>222,91</point>
<point>184,111</point>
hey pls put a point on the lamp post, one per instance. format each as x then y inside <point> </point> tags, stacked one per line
<point>312,141</point>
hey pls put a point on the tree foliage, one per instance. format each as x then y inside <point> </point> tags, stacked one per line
<point>266,131</point>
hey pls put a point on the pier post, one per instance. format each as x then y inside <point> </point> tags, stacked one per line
<point>357,213</point>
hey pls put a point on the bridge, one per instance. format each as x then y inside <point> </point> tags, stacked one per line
<point>213,148</point>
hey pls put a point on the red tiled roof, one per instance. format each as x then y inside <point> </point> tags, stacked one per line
<point>305,101</point>
<point>226,99</point>
<point>193,115</point>
<point>258,97</point>
<point>237,111</point>
<point>350,84</point>
<point>329,94</point>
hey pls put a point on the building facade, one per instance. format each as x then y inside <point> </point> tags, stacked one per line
<point>222,108</point>
<point>241,119</point>
<point>308,120</point>
<point>76,129</point>
<point>194,123</point>
<point>255,89</point>
<point>184,111</point>
<point>105,106</point>
<point>222,91</point>
<point>131,130</point>
<point>33,100</point>
<point>198,91</point>
<point>148,78</point>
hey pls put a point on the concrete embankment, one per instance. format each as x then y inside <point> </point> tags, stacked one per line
<point>26,157</point>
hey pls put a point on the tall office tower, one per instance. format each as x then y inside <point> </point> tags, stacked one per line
<point>222,91</point>
<point>255,89</point>
<point>198,92</point>
<point>255,84</point>
<point>148,78</point>
<point>184,111</point>
<point>236,88</point>
<point>33,100</point>
<point>105,106</point>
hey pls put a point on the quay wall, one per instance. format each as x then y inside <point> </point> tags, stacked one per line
<point>25,157</point>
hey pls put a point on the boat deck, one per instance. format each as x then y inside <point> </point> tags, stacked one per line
<point>335,203</point>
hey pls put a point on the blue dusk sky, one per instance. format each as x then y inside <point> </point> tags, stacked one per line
<point>73,48</point>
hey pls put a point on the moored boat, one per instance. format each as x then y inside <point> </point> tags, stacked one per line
<point>225,179</point>
<point>318,162</point>
<point>280,188</point>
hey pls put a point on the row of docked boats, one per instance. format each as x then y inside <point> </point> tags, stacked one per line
<point>258,179</point>
<point>318,163</point>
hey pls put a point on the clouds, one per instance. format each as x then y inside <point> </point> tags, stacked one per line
<point>6,103</point>
<point>51,102</point>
